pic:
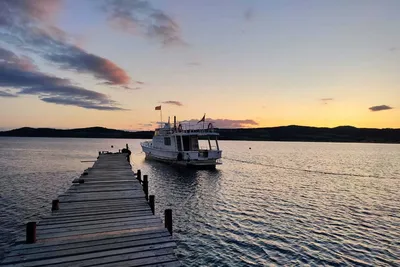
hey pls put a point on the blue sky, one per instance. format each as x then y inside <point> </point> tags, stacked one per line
<point>244,63</point>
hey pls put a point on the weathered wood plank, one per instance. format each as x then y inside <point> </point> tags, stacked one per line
<point>99,222</point>
<point>75,259</point>
<point>76,244</point>
<point>95,218</point>
<point>87,239</point>
<point>142,261</point>
<point>99,226</point>
<point>85,250</point>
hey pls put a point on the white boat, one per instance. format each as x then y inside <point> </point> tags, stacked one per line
<point>180,146</point>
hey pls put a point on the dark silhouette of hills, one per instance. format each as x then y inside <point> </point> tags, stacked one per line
<point>283,133</point>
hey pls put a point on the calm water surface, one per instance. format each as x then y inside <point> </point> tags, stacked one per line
<point>274,204</point>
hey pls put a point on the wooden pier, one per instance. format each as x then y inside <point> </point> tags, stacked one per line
<point>104,219</point>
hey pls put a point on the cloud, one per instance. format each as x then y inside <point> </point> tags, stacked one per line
<point>50,89</point>
<point>145,124</point>
<point>326,100</point>
<point>140,17</point>
<point>79,60</point>
<point>194,64</point>
<point>12,59</point>
<point>26,11</point>
<point>26,24</point>
<point>380,108</point>
<point>226,123</point>
<point>6,94</point>
<point>79,103</point>
<point>248,14</point>
<point>139,82</point>
<point>173,102</point>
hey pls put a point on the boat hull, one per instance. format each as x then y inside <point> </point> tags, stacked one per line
<point>180,158</point>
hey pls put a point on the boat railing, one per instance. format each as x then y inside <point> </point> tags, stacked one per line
<point>186,130</point>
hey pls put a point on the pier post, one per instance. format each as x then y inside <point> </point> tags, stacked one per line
<point>139,176</point>
<point>31,232</point>
<point>146,186</point>
<point>54,205</point>
<point>152,203</point>
<point>168,220</point>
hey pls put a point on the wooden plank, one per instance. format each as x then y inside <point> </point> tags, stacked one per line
<point>95,211</point>
<point>100,214</point>
<point>65,228</point>
<point>76,244</point>
<point>121,257</point>
<point>95,218</point>
<point>95,230</point>
<point>75,259</point>
<point>86,250</point>
<point>99,222</point>
<point>166,264</point>
<point>87,240</point>
<point>142,261</point>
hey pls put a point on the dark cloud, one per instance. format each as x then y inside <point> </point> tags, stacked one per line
<point>12,59</point>
<point>248,14</point>
<point>26,25</point>
<point>140,17</point>
<point>226,123</point>
<point>380,108</point>
<point>173,102</point>
<point>7,94</point>
<point>78,102</point>
<point>51,89</point>
<point>145,124</point>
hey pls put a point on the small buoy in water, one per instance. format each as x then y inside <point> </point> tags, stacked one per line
<point>249,147</point>
<point>112,146</point>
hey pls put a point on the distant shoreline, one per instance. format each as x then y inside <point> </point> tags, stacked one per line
<point>341,134</point>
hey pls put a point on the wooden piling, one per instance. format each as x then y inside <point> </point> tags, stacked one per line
<point>152,203</point>
<point>168,220</point>
<point>146,186</point>
<point>31,232</point>
<point>139,176</point>
<point>55,205</point>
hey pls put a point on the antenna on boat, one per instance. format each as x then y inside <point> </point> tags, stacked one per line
<point>174,123</point>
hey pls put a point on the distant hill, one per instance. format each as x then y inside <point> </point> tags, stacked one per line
<point>91,132</point>
<point>283,133</point>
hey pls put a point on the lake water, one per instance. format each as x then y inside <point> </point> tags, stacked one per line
<point>278,203</point>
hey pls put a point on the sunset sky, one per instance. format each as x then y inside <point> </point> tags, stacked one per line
<point>245,63</point>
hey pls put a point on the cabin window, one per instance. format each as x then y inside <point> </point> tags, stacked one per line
<point>167,141</point>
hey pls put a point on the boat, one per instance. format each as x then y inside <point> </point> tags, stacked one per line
<point>179,145</point>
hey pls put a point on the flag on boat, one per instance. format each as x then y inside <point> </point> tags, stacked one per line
<point>158,108</point>
<point>202,119</point>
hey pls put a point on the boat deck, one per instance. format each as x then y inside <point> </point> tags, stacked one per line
<point>104,221</point>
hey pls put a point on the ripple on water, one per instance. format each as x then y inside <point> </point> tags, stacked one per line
<point>278,204</point>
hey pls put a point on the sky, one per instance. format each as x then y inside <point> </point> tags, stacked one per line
<point>245,63</point>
